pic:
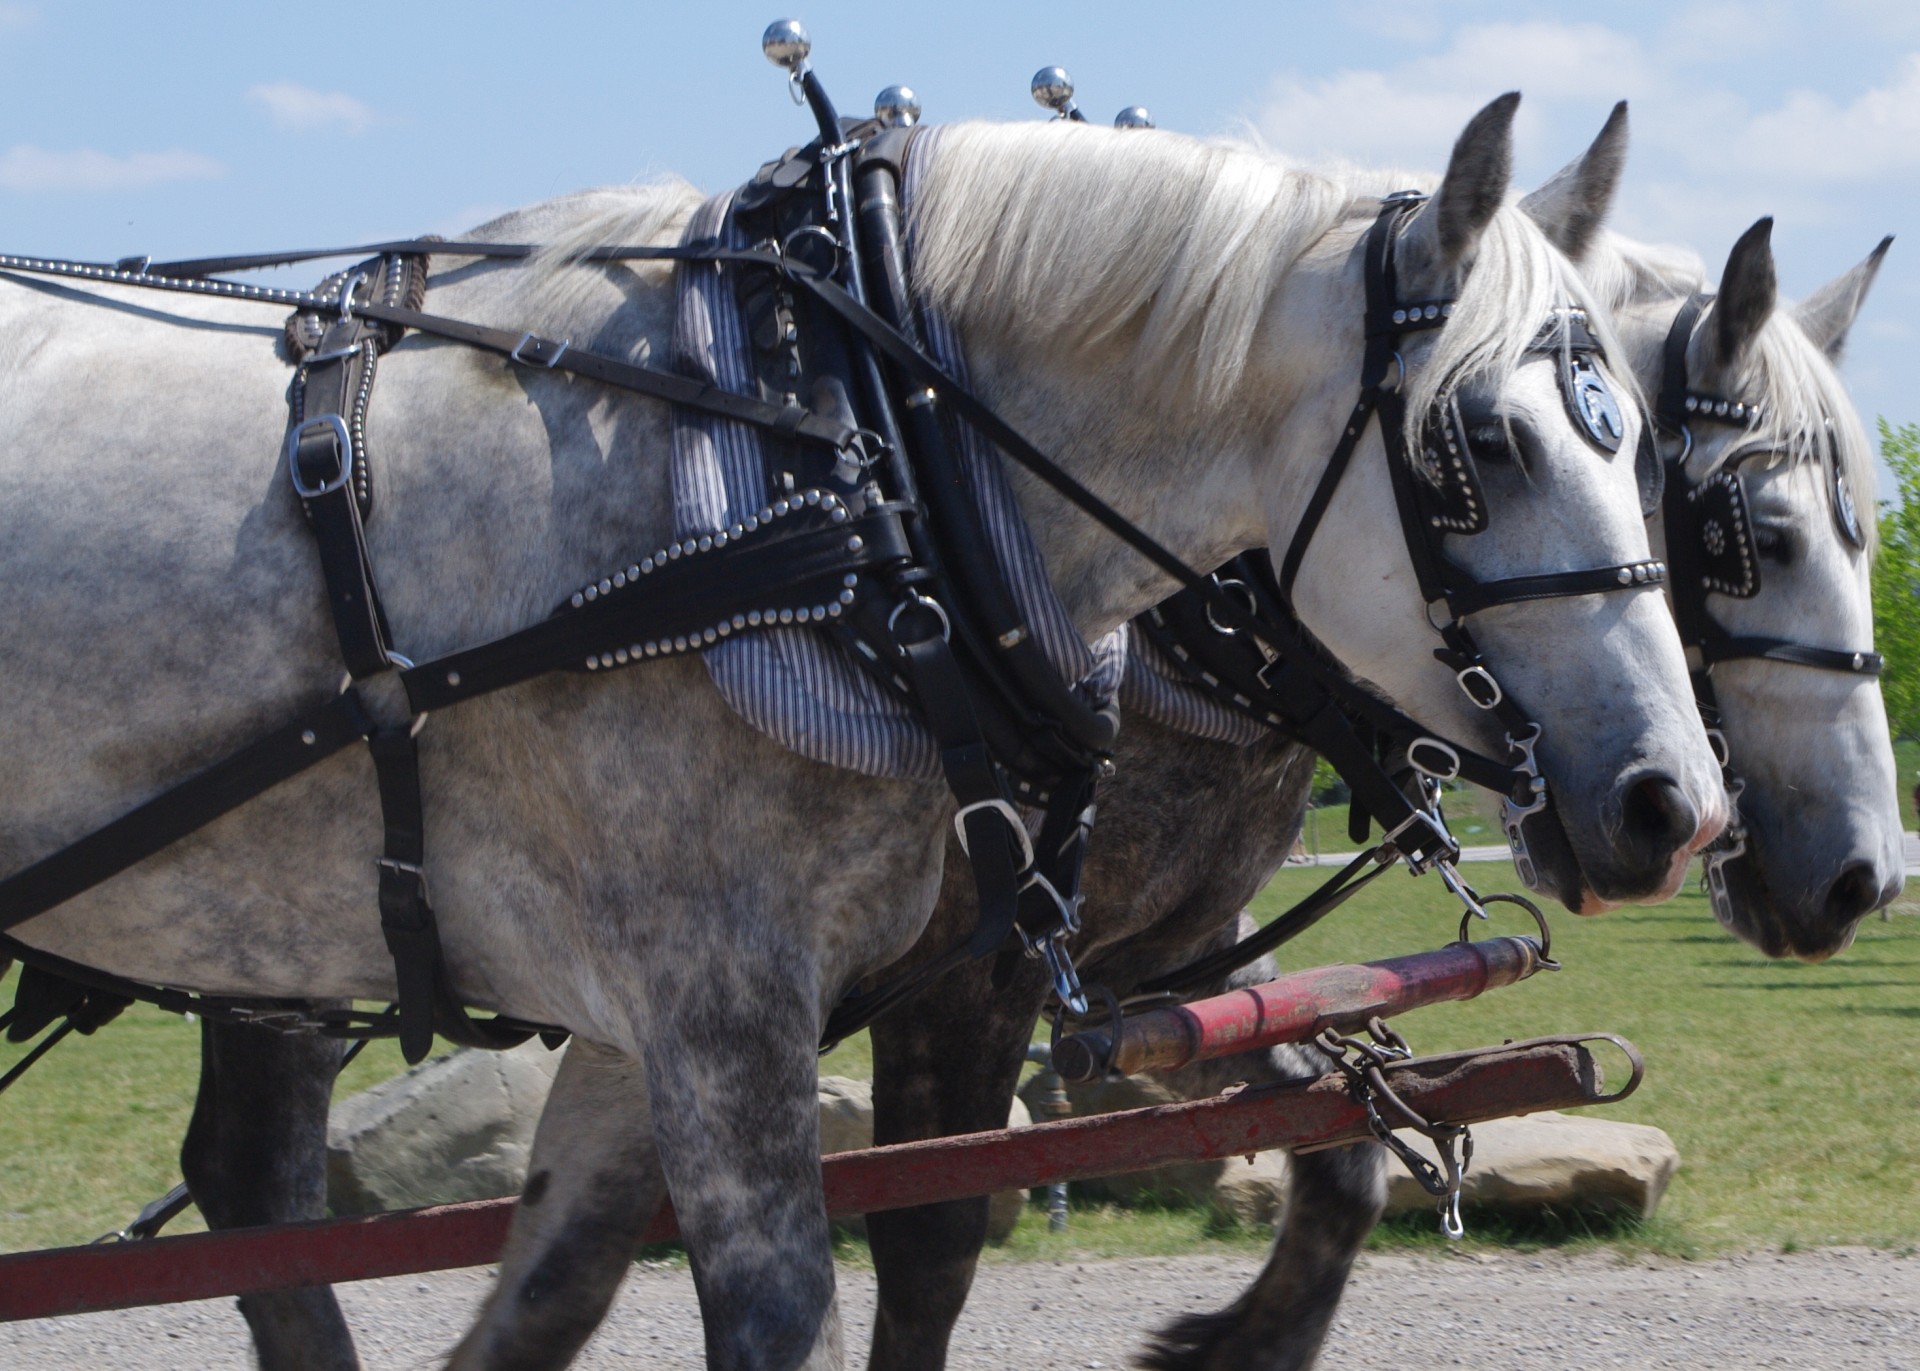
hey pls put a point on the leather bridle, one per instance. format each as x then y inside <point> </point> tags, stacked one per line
<point>1712,550</point>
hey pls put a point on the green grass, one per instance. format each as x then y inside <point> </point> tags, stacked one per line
<point>1473,815</point>
<point>1906,762</point>
<point>1792,1091</point>
<point>93,1131</point>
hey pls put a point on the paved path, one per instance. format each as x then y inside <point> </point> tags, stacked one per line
<point>1836,1310</point>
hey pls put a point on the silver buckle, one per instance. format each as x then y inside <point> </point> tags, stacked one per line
<point>1450,759</point>
<point>412,869</point>
<point>946,635</point>
<point>339,478</point>
<point>1480,673</point>
<point>1012,817</point>
<point>1415,863</point>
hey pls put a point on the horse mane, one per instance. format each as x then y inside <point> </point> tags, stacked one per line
<point>1069,237</point>
<point>1793,379</point>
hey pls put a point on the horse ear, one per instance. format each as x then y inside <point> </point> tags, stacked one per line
<point>1445,232</point>
<point>1572,206</point>
<point>1748,292</point>
<point>1829,312</point>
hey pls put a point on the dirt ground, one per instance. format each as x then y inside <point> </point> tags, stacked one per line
<point>1835,1308</point>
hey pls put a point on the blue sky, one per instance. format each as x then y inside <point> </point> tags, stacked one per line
<point>217,127</point>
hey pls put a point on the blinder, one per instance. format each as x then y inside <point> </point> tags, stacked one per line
<point>1453,500</point>
<point>1450,497</point>
<point>1846,515</point>
<point>1720,527</point>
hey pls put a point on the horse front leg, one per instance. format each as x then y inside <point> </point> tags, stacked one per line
<point>593,1182</point>
<point>732,1071</point>
<point>946,1064</point>
<point>256,1153</point>
<point>1334,1199</point>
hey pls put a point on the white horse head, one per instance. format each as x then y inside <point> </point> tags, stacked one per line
<point>1185,320</point>
<point>1819,811</point>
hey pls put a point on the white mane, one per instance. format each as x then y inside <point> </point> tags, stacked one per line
<point>1071,237</point>
<point>1793,379</point>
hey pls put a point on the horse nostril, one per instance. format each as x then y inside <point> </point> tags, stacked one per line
<point>1855,892</point>
<point>1657,818</point>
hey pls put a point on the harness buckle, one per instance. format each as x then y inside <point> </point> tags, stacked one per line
<point>412,869</point>
<point>1479,686</point>
<point>915,599</point>
<point>1444,764</point>
<point>1013,821</point>
<point>343,437</point>
<point>1438,845</point>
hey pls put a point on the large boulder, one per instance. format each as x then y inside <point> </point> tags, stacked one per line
<point>1254,1193</point>
<point>1553,1159</point>
<point>461,1127</point>
<point>453,1128</point>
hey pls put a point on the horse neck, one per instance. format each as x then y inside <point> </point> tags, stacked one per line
<point>1193,501</point>
<point>1205,486</point>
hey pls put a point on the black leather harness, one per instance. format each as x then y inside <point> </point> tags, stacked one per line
<point>880,546</point>
<point>1711,545</point>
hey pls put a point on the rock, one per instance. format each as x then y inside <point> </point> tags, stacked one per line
<point>453,1128</point>
<point>1184,1183</point>
<point>1252,1194</point>
<point>1553,1159</point>
<point>846,1114</point>
<point>460,1127</point>
<point>1004,1210</point>
<point>846,1125</point>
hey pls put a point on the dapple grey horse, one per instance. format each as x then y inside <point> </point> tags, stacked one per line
<point>624,857</point>
<point>1190,829</point>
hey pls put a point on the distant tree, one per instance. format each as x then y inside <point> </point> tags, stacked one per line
<point>1896,581</point>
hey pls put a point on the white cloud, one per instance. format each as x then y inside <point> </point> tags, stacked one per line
<point>1814,138</point>
<point>1414,111</point>
<point>18,17</point>
<point>27,168</point>
<point>294,106</point>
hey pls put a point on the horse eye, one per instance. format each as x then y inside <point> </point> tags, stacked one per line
<point>1489,441</point>
<point>1773,544</point>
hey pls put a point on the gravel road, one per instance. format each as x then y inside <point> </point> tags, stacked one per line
<point>1830,1309</point>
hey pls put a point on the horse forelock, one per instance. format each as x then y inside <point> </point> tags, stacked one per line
<point>1786,372</point>
<point>1519,285</point>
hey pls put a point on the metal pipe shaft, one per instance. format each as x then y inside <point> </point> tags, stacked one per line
<point>1295,1008</point>
<point>1465,1087</point>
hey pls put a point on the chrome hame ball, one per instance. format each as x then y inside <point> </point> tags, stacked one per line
<point>897,107</point>
<point>1053,89</point>
<point>786,43</point>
